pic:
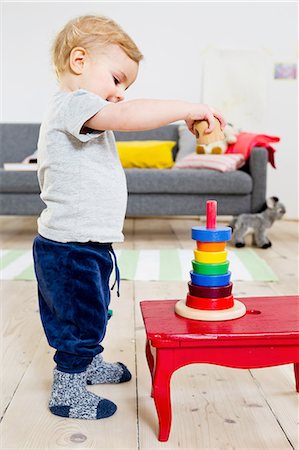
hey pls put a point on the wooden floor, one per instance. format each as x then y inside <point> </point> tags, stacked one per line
<point>213,407</point>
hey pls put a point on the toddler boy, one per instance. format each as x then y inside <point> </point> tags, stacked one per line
<point>84,188</point>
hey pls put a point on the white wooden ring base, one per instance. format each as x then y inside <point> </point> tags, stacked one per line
<point>238,310</point>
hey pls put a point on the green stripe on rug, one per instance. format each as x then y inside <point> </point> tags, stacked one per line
<point>10,257</point>
<point>258,268</point>
<point>27,274</point>
<point>127,262</point>
<point>170,265</point>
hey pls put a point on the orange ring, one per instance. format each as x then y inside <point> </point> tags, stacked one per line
<point>210,246</point>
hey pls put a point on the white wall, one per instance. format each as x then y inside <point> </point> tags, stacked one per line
<point>174,37</point>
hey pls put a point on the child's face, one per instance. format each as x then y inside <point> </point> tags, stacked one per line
<point>109,73</point>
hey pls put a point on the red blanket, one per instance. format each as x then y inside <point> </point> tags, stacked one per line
<point>246,142</point>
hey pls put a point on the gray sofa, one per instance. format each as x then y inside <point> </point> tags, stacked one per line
<point>152,192</point>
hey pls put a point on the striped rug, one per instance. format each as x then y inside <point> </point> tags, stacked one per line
<point>149,265</point>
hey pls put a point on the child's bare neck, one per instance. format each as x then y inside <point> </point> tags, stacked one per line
<point>68,83</point>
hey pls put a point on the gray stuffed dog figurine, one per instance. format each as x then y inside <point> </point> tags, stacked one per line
<point>256,224</point>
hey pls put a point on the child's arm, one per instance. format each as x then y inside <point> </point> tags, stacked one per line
<point>137,115</point>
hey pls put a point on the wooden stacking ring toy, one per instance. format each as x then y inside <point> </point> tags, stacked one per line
<point>210,246</point>
<point>210,303</point>
<point>210,280</point>
<point>238,310</point>
<point>210,257</point>
<point>210,292</point>
<point>210,295</point>
<point>210,269</point>
<point>220,234</point>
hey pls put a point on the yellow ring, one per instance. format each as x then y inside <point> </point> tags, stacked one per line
<point>210,257</point>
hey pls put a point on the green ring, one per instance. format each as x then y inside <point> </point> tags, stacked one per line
<point>210,269</point>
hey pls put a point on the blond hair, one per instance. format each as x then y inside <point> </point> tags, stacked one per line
<point>90,32</point>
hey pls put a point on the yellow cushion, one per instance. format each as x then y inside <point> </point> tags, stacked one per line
<point>146,154</point>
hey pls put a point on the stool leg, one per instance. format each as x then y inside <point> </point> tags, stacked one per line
<point>161,392</point>
<point>150,361</point>
<point>296,371</point>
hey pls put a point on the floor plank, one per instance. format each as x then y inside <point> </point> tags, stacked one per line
<point>154,233</point>
<point>22,332</point>
<point>277,385</point>
<point>17,231</point>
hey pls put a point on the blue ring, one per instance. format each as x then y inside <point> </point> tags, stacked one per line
<point>219,234</point>
<point>210,280</point>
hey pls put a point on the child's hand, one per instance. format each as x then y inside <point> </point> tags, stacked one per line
<point>204,112</point>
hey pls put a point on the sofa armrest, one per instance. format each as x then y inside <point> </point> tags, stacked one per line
<point>258,170</point>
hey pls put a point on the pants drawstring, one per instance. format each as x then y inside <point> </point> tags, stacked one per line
<point>117,274</point>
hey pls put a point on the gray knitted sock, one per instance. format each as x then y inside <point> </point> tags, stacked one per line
<point>70,398</point>
<point>100,372</point>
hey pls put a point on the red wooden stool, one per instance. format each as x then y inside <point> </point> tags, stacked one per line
<point>267,335</point>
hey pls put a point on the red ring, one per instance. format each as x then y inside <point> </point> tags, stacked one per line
<point>210,291</point>
<point>210,303</point>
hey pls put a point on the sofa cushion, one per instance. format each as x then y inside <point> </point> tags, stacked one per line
<point>188,181</point>
<point>146,154</point>
<point>151,181</point>
<point>165,133</point>
<point>18,140</point>
<point>187,142</point>
<point>223,163</point>
<point>18,181</point>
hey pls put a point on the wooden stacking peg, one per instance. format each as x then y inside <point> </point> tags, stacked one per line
<point>211,209</point>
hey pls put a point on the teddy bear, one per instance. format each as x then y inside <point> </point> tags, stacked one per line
<point>215,142</point>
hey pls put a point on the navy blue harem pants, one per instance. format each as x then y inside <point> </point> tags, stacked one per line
<point>74,295</point>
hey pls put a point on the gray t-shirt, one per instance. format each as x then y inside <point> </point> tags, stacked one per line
<point>81,178</point>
